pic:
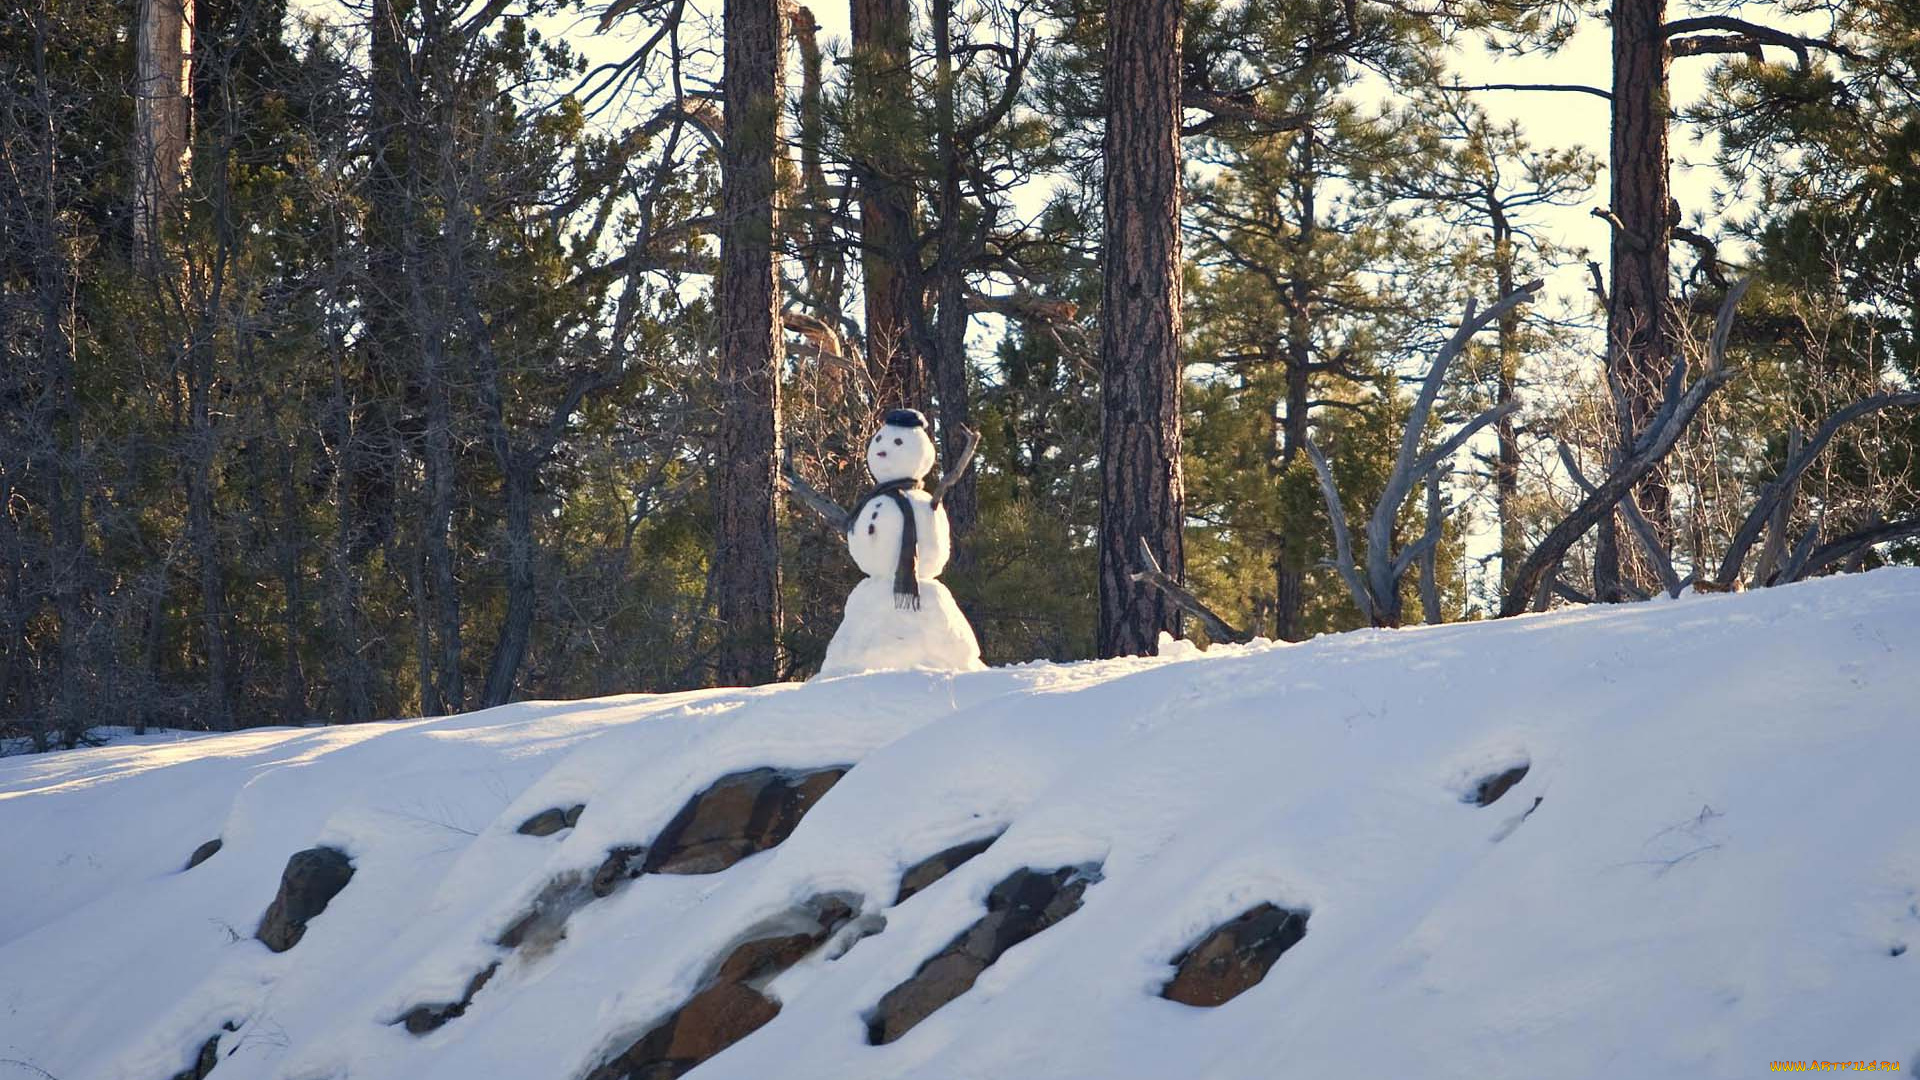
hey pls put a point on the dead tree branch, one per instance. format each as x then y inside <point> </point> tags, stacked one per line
<point>828,511</point>
<point>1835,550</point>
<point>1649,449</point>
<point>1149,573</point>
<point>1781,489</point>
<point>952,476</point>
<point>1378,597</point>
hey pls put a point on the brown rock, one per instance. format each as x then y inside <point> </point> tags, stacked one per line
<point>203,853</point>
<point>311,880</point>
<point>728,1008</point>
<point>545,823</point>
<point>424,1018</point>
<point>1235,956</point>
<point>740,815</point>
<point>621,864</point>
<point>1492,787</point>
<point>573,814</point>
<point>934,867</point>
<point>1025,903</point>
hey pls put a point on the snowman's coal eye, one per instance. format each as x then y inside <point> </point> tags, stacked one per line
<point>896,442</point>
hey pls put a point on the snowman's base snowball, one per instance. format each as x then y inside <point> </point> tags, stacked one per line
<point>875,635</point>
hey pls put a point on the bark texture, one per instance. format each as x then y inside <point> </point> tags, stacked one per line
<point>162,113</point>
<point>1640,329</point>
<point>882,31</point>
<point>746,540</point>
<point>1141,491</point>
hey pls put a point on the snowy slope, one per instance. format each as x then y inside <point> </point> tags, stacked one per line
<point>1720,869</point>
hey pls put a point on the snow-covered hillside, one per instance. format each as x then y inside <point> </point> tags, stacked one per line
<point>1711,863</point>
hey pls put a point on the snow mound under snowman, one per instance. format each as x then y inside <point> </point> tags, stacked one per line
<point>1670,839</point>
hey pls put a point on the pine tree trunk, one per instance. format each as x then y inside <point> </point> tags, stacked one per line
<point>882,31</point>
<point>162,114</point>
<point>1506,466</point>
<point>1141,491</point>
<point>950,357</point>
<point>516,628</point>
<point>746,538</point>
<point>1640,328</point>
<point>1290,575</point>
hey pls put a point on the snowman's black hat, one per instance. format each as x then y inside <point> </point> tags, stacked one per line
<point>904,418</point>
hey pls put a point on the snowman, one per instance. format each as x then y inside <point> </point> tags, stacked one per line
<point>900,615</point>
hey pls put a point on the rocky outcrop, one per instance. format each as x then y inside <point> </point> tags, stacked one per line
<point>729,1005</point>
<point>939,865</point>
<point>1490,788</point>
<point>203,1062</point>
<point>208,1057</point>
<point>311,880</point>
<point>1025,903</point>
<point>203,853</point>
<point>1234,956</point>
<point>740,815</point>
<point>551,820</point>
<point>424,1018</point>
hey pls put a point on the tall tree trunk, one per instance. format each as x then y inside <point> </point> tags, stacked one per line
<point>1290,573</point>
<point>67,564</point>
<point>516,629</point>
<point>388,345</point>
<point>1506,465</point>
<point>882,31</point>
<point>1640,331</point>
<point>1141,490</point>
<point>950,358</point>
<point>746,537</point>
<point>204,542</point>
<point>162,114</point>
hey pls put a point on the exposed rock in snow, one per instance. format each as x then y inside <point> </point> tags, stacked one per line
<point>551,820</point>
<point>1235,956</point>
<point>939,865</point>
<point>1489,790</point>
<point>1023,905</point>
<point>311,880</point>
<point>740,815</point>
<point>203,853</point>
<point>1703,774</point>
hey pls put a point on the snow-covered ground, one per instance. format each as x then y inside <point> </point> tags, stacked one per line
<point>1712,863</point>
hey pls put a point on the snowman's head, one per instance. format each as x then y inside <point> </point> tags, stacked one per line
<point>902,450</point>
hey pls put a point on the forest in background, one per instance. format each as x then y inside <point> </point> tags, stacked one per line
<point>398,359</point>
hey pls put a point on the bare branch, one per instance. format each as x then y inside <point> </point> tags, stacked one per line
<point>1342,539</point>
<point>797,486</point>
<point>1834,551</point>
<point>1780,489</point>
<point>1568,88</point>
<point>1765,35</point>
<point>1649,451</point>
<point>952,476</point>
<point>1149,573</point>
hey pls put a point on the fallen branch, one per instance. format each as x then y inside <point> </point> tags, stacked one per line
<point>1149,573</point>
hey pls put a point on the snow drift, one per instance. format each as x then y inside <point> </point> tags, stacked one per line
<point>1711,862</point>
